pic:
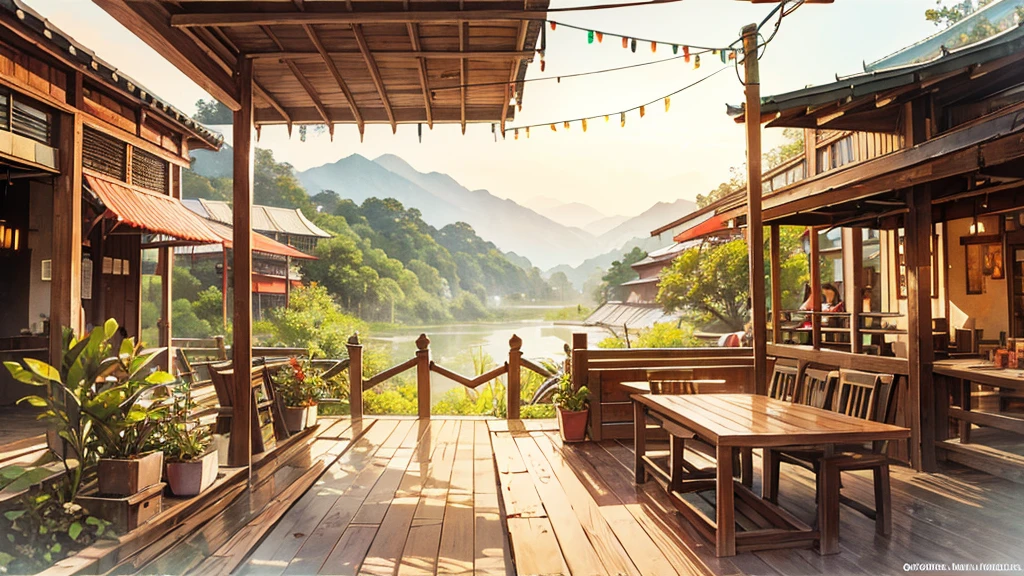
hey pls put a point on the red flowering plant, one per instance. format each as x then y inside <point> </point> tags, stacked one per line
<point>299,383</point>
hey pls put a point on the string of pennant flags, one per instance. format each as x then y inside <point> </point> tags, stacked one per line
<point>666,101</point>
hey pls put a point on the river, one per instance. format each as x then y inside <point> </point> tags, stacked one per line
<point>453,345</point>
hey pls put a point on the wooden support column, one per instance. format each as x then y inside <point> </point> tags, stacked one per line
<point>66,286</point>
<point>165,266</point>
<point>755,230</point>
<point>815,289</point>
<point>776,277</point>
<point>355,377</point>
<point>853,282</point>
<point>287,280</point>
<point>240,449</point>
<point>580,377</point>
<point>920,345</point>
<point>423,376</point>
<point>224,286</point>
<point>515,357</point>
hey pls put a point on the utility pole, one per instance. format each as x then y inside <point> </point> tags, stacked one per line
<point>755,230</point>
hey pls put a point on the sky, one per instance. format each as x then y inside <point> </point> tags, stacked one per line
<point>661,157</point>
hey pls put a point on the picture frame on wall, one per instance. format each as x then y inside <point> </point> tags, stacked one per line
<point>975,260</point>
<point>993,265</point>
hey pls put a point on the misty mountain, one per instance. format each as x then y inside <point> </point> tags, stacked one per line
<point>579,275</point>
<point>573,214</point>
<point>640,226</point>
<point>599,227</point>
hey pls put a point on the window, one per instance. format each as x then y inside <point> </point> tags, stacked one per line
<point>842,152</point>
<point>149,171</point>
<point>31,121</point>
<point>5,111</point>
<point>104,154</point>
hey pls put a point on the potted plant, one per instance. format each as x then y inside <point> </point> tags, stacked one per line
<point>299,387</point>
<point>572,406</point>
<point>192,462</point>
<point>126,411</point>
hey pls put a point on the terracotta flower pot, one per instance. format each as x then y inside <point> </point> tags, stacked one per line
<point>295,418</point>
<point>191,477</point>
<point>119,477</point>
<point>572,425</point>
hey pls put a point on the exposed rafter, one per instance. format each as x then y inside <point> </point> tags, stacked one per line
<point>333,68</point>
<point>371,65</point>
<point>398,54</point>
<point>421,68</point>
<point>513,75</point>
<point>190,19</point>
<point>306,85</point>
<point>463,70</point>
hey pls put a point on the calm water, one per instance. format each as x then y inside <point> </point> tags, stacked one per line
<point>454,345</point>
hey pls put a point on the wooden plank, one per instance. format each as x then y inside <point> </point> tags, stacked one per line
<point>457,548</point>
<point>920,344</point>
<point>485,479</point>
<point>590,551</point>
<point>535,548</point>
<point>66,285</point>
<point>491,554</point>
<point>725,519</point>
<point>419,558</point>
<point>348,555</point>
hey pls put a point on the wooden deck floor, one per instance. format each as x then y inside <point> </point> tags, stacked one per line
<point>492,497</point>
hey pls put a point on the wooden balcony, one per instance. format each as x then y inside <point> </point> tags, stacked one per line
<point>462,496</point>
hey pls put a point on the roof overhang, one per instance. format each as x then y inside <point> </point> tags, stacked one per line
<point>358,62</point>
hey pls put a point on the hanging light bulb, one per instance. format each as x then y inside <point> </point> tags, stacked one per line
<point>668,102</point>
<point>643,111</point>
<point>584,124</point>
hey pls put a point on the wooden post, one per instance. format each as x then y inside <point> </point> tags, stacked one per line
<point>287,280</point>
<point>423,376</point>
<point>815,289</point>
<point>240,449</point>
<point>580,377</point>
<point>755,230</point>
<point>165,265</point>
<point>66,287</point>
<point>515,357</point>
<point>920,344</point>
<point>224,285</point>
<point>776,278</point>
<point>853,282</point>
<point>355,376</point>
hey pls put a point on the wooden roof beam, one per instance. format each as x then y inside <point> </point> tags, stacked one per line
<point>421,68</point>
<point>266,97</point>
<point>378,82</point>
<point>463,70</point>
<point>191,19</point>
<point>400,54</point>
<point>333,68</point>
<point>304,82</point>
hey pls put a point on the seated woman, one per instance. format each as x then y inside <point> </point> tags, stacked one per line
<point>830,302</point>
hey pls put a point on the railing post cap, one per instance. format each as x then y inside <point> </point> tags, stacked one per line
<point>422,342</point>
<point>515,342</point>
<point>354,339</point>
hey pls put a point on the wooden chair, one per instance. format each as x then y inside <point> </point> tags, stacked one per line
<point>783,385</point>
<point>861,395</point>
<point>818,386</point>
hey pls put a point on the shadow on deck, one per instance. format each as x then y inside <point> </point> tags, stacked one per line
<point>455,496</point>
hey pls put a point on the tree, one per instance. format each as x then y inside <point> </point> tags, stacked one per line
<point>212,112</point>
<point>791,148</point>
<point>621,271</point>
<point>737,181</point>
<point>711,282</point>
<point>275,184</point>
<point>561,286</point>
<point>946,16</point>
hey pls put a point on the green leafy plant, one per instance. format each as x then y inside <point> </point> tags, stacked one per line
<point>183,439</point>
<point>571,400</point>
<point>43,529</point>
<point>299,384</point>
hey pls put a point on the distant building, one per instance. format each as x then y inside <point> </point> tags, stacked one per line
<point>286,225</point>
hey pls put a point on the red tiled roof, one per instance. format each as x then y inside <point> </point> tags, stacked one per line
<point>149,211</point>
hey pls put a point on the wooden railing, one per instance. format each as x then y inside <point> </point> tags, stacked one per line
<point>607,371</point>
<point>421,362</point>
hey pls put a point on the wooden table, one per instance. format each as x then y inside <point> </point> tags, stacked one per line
<point>962,372</point>
<point>730,422</point>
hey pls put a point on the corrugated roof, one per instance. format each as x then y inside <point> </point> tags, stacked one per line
<point>149,211</point>
<point>264,218</point>
<point>632,316</point>
<point>260,243</point>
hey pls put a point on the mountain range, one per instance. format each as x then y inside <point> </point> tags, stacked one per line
<point>578,234</point>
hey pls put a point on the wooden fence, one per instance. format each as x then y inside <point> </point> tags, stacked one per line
<point>421,362</point>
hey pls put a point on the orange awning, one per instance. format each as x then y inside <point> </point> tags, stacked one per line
<point>703,228</point>
<point>270,285</point>
<point>260,243</point>
<point>149,211</point>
